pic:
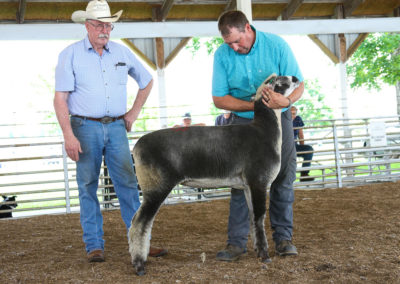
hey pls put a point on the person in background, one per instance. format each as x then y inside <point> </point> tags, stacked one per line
<point>300,146</point>
<point>91,107</point>
<point>241,64</point>
<point>224,118</point>
<point>187,121</point>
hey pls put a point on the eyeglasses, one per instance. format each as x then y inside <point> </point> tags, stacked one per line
<point>100,27</point>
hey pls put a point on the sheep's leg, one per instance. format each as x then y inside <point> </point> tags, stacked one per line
<point>140,230</point>
<point>247,193</point>
<point>259,196</point>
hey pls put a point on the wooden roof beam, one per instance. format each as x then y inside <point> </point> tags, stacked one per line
<point>21,11</point>
<point>232,5</point>
<point>350,6</point>
<point>291,8</point>
<point>162,12</point>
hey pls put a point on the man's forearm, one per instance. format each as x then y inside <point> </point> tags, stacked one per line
<point>62,113</point>
<point>229,102</point>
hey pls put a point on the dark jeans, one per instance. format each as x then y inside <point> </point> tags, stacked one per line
<point>306,156</point>
<point>281,194</point>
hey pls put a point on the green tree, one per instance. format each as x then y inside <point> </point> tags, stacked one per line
<point>211,44</point>
<point>312,106</point>
<point>377,62</point>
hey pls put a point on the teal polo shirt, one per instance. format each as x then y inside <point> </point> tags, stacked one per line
<point>240,75</point>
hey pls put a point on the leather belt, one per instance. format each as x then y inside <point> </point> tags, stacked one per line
<point>104,120</point>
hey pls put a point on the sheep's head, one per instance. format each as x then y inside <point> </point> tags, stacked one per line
<point>10,199</point>
<point>280,84</point>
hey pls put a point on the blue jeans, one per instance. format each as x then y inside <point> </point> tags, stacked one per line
<point>305,156</point>
<point>281,194</point>
<point>110,140</point>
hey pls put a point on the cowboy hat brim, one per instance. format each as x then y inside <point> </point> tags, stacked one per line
<point>81,16</point>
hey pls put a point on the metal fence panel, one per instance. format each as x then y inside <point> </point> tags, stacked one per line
<point>38,172</point>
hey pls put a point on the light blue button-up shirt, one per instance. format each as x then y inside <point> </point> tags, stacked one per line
<point>240,75</point>
<point>97,84</point>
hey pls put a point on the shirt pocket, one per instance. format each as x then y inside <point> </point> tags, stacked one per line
<point>122,74</point>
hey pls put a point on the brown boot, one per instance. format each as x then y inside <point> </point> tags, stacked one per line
<point>157,252</point>
<point>96,256</point>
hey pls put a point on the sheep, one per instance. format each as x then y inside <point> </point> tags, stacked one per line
<point>8,204</point>
<point>210,157</point>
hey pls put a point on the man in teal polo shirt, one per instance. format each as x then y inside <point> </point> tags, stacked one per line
<point>241,64</point>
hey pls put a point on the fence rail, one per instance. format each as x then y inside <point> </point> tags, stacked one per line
<point>43,178</point>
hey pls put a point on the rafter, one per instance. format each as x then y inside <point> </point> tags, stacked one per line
<point>21,11</point>
<point>350,6</point>
<point>231,5</point>
<point>164,10</point>
<point>291,8</point>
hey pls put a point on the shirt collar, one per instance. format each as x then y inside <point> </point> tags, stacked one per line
<point>88,45</point>
<point>255,44</point>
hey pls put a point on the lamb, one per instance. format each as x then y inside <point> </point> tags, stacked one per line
<point>8,204</point>
<point>211,157</point>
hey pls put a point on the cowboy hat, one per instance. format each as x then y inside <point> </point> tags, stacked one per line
<point>96,10</point>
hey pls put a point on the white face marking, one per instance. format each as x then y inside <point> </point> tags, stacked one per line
<point>274,80</point>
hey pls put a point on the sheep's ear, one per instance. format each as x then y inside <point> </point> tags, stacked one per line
<point>271,78</point>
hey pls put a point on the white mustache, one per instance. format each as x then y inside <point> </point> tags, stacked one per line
<point>103,36</point>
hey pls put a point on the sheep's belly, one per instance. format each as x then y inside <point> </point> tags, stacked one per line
<point>215,183</point>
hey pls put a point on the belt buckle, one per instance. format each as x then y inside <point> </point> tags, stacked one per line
<point>106,120</point>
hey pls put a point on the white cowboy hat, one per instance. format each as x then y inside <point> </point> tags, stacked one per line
<point>96,10</point>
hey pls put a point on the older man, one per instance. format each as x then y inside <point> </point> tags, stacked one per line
<point>91,106</point>
<point>241,64</point>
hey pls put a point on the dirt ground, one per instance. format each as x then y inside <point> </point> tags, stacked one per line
<point>349,235</point>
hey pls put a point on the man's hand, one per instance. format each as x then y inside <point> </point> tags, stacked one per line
<point>129,118</point>
<point>72,147</point>
<point>273,100</point>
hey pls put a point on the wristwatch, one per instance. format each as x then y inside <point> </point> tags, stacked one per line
<point>290,103</point>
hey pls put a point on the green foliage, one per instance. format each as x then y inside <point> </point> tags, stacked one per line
<point>214,111</point>
<point>148,120</point>
<point>312,106</point>
<point>376,61</point>
<point>211,44</point>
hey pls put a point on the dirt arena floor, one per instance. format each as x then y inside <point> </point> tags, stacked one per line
<point>349,235</point>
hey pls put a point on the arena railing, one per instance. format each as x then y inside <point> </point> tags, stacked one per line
<point>38,172</point>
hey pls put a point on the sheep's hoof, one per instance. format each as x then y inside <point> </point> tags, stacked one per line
<point>140,272</point>
<point>265,257</point>
<point>139,267</point>
<point>266,260</point>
